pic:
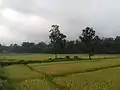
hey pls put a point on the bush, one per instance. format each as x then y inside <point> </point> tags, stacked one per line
<point>61,58</point>
<point>91,54</point>
<point>67,57</point>
<point>49,58</point>
<point>76,57</point>
<point>21,61</point>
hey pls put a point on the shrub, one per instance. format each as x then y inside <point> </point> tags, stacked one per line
<point>76,57</point>
<point>50,59</point>
<point>61,58</point>
<point>91,54</point>
<point>67,57</point>
<point>21,61</point>
<point>104,57</point>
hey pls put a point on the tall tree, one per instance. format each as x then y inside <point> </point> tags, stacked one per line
<point>57,39</point>
<point>87,37</point>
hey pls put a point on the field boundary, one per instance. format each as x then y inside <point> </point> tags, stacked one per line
<point>87,71</point>
<point>53,85</point>
<point>8,62</point>
<point>49,79</point>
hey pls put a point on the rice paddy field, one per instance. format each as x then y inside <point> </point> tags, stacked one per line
<point>101,73</point>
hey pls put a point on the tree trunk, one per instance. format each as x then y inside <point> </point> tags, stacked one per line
<point>89,56</point>
<point>55,55</point>
<point>55,50</point>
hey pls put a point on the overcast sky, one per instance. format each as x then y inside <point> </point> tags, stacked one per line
<point>30,20</point>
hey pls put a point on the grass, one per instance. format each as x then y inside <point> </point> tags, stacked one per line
<point>96,74</point>
<point>24,79</point>
<point>26,56</point>
<point>66,68</point>
<point>46,56</point>
<point>100,80</point>
<point>35,84</point>
<point>19,71</point>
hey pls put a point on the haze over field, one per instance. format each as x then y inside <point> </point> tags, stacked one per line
<point>30,20</point>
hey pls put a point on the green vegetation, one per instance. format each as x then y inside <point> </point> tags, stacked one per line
<point>58,39</point>
<point>28,56</point>
<point>101,73</point>
<point>100,80</point>
<point>87,38</point>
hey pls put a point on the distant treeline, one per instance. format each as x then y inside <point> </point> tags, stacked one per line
<point>101,45</point>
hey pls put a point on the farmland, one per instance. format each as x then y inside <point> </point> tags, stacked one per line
<point>101,73</point>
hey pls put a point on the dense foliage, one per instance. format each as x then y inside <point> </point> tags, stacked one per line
<point>102,45</point>
<point>57,39</point>
<point>87,38</point>
<point>59,44</point>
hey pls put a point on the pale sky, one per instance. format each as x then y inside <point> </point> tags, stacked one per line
<point>30,20</point>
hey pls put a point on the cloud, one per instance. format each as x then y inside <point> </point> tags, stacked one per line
<point>30,20</point>
<point>22,27</point>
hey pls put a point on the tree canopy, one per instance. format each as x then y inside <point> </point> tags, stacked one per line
<point>57,39</point>
<point>96,44</point>
<point>87,37</point>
